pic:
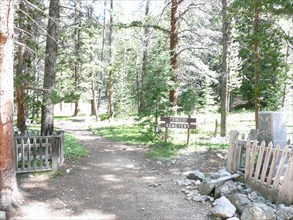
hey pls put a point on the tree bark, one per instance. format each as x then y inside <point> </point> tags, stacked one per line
<point>8,185</point>
<point>47,124</point>
<point>224,96</point>
<point>257,61</point>
<point>173,96</point>
<point>19,87</point>
<point>111,110</point>
<point>77,67</point>
<point>146,36</point>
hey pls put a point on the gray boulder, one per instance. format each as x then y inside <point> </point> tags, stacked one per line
<point>223,208</point>
<point>227,188</point>
<point>256,211</point>
<point>206,187</point>
<point>285,213</point>
<point>196,175</point>
<point>240,201</point>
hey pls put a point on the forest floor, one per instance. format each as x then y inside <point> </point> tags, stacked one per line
<point>115,181</point>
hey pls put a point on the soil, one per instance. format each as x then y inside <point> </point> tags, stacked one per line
<point>115,181</point>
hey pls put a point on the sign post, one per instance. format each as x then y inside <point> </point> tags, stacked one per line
<point>178,122</point>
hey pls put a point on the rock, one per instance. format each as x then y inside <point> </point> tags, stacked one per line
<point>285,213</point>
<point>185,182</point>
<point>256,211</point>
<point>240,201</point>
<point>233,218</point>
<point>224,172</point>
<point>227,188</point>
<point>2,215</point>
<point>196,175</point>
<point>223,208</point>
<point>206,187</point>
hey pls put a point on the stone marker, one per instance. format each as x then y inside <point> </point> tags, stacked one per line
<point>272,127</point>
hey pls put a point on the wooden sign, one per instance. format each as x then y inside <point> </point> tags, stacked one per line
<point>178,122</point>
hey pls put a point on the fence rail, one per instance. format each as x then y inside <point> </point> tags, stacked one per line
<point>39,153</point>
<point>270,167</point>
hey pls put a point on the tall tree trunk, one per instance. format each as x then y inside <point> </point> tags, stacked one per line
<point>8,185</point>
<point>19,87</point>
<point>77,67</point>
<point>224,96</point>
<point>173,96</point>
<point>47,124</point>
<point>111,110</point>
<point>257,61</point>
<point>146,37</point>
<point>91,60</point>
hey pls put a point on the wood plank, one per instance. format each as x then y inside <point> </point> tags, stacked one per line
<point>252,159</point>
<point>16,153</point>
<point>47,153</point>
<point>266,162</point>
<point>231,150</point>
<point>273,165</point>
<point>22,153</point>
<point>285,195</point>
<point>247,159</point>
<point>280,168</point>
<point>41,153</point>
<point>259,161</point>
<point>174,125</point>
<point>28,154</point>
<point>35,152</point>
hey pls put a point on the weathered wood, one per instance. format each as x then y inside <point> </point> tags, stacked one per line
<point>259,160</point>
<point>173,125</point>
<point>225,178</point>
<point>285,195</point>
<point>178,119</point>
<point>28,154</point>
<point>247,160</point>
<point>47,153</point>
<point>22,154</point>
<point>273,165</point>
<point>231,151</point>
<point>35,152</point>
<point>280,168</point>
<point>252,159</point>
<point>266,162</point>
<point>55,153</point>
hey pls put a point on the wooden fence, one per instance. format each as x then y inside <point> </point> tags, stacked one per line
<point>39,153</point>
<point>268,167</point>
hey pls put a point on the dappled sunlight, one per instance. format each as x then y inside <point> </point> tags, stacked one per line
<point>111,178</point>
<point>43,211</point>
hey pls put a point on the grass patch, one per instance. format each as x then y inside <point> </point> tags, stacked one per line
<point>209,145</point>
<point>164,149</point>
<point>125,134</point>
<point>73,149</point>
<point>136,135</point>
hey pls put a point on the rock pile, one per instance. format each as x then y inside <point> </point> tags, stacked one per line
<point>231,199</point>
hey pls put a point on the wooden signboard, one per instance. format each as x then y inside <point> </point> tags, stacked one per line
<point>178,122</point>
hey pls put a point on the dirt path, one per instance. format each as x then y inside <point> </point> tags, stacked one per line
<point>115,181</point>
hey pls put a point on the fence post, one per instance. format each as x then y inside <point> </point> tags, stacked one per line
<point>55,152</point>
<point>232,160</point>
<point>285,195</point>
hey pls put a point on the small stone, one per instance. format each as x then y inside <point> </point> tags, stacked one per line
<point>240,201</point>
<point>227,188</point>
<point>223,208</point>
<point>256,211</point>
<point>67,171</point>
<point>206,187</point>
<point>196,175</point>
<point>285,213</point>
